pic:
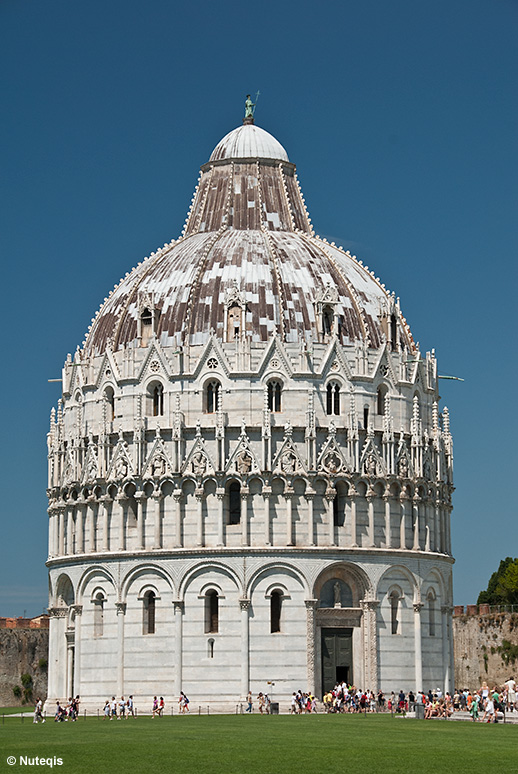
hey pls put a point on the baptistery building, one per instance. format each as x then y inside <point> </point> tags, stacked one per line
<point>249,474</point>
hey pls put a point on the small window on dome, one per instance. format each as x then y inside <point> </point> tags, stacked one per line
<point>158,400</point>
<point>381,394</point>
<point>213,396</point>
<point>233,322</point>
<point>274,396</point>
<point>146,326</point>
<point>327,320</point>
<point>333,399</point>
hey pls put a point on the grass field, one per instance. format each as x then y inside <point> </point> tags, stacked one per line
<point>239,744</point>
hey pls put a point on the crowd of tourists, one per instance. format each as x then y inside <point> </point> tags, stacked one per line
<point>483,704</point>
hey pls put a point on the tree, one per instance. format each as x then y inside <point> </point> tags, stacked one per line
<point>502,588</point>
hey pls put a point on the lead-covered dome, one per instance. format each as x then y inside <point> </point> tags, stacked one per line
<point>248,142</point>
<point>248,236</point>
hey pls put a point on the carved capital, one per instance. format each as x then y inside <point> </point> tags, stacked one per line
<point>178,605</point>
<point>369,604</point>
<point>58,612</point>
<point>78,609</point>
<point>418,606</point>
<point>244,603</point>
<point>120,608</point>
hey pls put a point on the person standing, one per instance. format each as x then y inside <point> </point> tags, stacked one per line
<point>249,700</point>
<point>38,712</point>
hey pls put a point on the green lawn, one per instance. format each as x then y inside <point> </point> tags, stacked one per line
<point>314,744</point>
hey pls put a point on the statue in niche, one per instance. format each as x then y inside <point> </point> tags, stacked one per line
<point>427,469</point>
<point>121,468</point>
<point>332,463</point>
<point>370,465</point>
<point>403,467</point>
<point>243,462</point>
<point>158,466</point>
<point>289,463</point>
<point>337,594</point>
<point>199,464</point>
<point>91,470</point>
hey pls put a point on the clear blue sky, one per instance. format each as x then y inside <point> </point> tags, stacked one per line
<point>402,119</point>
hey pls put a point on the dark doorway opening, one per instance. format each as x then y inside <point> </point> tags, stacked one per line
<point>337,657</point>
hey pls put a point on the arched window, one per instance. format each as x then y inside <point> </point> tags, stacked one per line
<point>149,612</point>
<point>99,614</point>
<point>431,614</point>
<point>394,612</point>
<point>234,503</point>
<point>210,648</point>
<point>213,393</point>
<point>110,400</point>
<point>274,396</point>
<point>328,318</point>
<point>146,326</point>
<point>275,611</point>
<point>211,612</point>
<point>158,400</point>
<point>233,322</point>
<point>333,399</point>
<point>381,394</point>
<point>365,417</point>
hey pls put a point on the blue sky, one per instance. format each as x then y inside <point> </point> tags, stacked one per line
<point>402,119</point>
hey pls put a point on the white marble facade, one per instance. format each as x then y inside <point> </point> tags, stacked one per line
<point>249,476</point>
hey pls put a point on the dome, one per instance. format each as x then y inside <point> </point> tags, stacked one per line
<point>248,233</point>
<point>248,142</point>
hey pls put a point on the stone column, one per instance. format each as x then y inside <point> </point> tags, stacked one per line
<point>104,517</point>
<point>61,531</point>
<point>445,613</point>
<point>178,625</point>
<point>370,506</point>
<point>245,491</point>
<point>91,523</point>
<point>370,643</point>
<point>418,655</point>
<point>199,523</point>
<point>78,610</point>
<point>121,535</point>
<point>402,526</point>
<point>415,511</point>
<point>354,537</point>
<point>80,545</point>
<point>427,532</point>
<point>69,682</point>
<point>69,518</point>
<point>310,498</point>
<point>177,496</point>
<point>329,497</point>
<point>56,650</point>
<point>244,604</point>
<point>220,494</point>
<point>141,543</point>
<point>121,612</point>
<point>266,498</point>
<point>447,520</point>
<point>288,496</point>
<point>157,533</point>
<point>52,532</point>
<point>388,535</point>
<point>437,529</point>
<point>311,605</point>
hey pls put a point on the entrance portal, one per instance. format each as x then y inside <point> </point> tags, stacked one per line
<point>337,657</point>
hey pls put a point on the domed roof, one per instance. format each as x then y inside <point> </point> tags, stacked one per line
<point>248,239</point>
<point>248,142</point>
